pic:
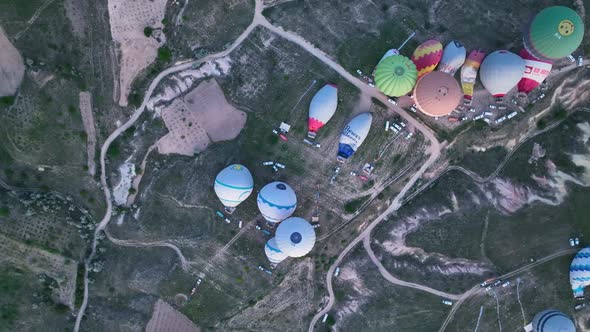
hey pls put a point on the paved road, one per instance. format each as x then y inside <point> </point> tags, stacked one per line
<point>477,289</point>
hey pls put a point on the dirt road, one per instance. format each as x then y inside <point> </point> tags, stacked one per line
<point>477,289</point>
<point>138,112</point>
<point>394,280</point>
<point>258,19</point>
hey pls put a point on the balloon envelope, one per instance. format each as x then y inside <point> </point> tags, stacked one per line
<point>552,321</point>
<point>353,135</point>
<point>437,94</point>
<point>273,253</point>
<point>276,201</point>
<point>322,107</point>
<point>453,58</point>
<point>396,75</point>
<point>469,72</point>
<point>554,33</point>
<point>501,71</point>
<point>427,56</point>
<point>295,237</point>
<point>535,72</point>
<point>233,185</point>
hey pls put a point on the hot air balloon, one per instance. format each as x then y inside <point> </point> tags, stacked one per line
<point>353,135</point>
<point>500,72</point>
<point>580,272</point>
<point>389,53</point>
<point>552,321</point>
<point>535,72</point>
<point>233,185</point>
<point>396,75</point>
<point>469,73</point>
<point>437,94</point>
<point>427,56</point>
<point>273,253</point>
<point>295,237</point>
<point>321,109</point>
<point>276,201</point>
<point>554,33</point>
<point>453,58</point>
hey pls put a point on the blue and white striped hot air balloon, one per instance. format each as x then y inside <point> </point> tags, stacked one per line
<point>233,185</point>
<point>277,201</point>
<point>273,253</point>
<point>580,271</point>
<point>295,237</point>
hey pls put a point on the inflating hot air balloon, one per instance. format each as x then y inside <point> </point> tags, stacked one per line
<point>427,56</point>
<point>396,75</point>
<point>321,109</point>
<point>353,135</point>
<point>453,58</point>
<point>233,185</point>
<point>389,53</point>
<point>295,237</point>
<point>437,94</point>
<point>535,72</point>
<point>554,33</point>
<point>276,201</point>
<point>469,73</point>
<point>273,253</point>
<point>500,72</point>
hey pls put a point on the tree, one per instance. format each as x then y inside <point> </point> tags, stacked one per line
<point>147,31</point>
<point>164,54</point>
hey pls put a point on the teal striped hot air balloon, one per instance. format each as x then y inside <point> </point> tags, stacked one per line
<point>396,75</point>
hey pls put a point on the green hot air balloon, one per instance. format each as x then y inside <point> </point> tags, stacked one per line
<point>554,33</point>
<point>396,75</point>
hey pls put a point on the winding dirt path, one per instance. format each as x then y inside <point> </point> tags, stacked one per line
<point>399,282</point>
<point>138,112</point>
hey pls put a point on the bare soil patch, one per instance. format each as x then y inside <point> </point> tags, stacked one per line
<point>88,120</point>
<point>166,318</point>
<point>128,18</point>
<point>201,117</point>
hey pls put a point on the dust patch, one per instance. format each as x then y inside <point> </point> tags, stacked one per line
<point>12,68</point>
<point>88,120</point>
<point>201,117</point>
<point>166,318</point>
<point>128,18</point>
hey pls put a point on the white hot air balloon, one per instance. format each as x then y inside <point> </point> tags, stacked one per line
<point>321,109</point>
<point>277,201</point>
<point>233,185</point>
<point>453,58</point>
<point>273,253</point>
<point>295,237</point>
<point>500,72</point>
<point>353,135</point>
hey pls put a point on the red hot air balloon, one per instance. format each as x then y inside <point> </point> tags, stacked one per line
<point>535,72</point>
<point>427,56</point>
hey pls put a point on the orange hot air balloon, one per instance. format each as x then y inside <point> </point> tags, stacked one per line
<point>427,56</point>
